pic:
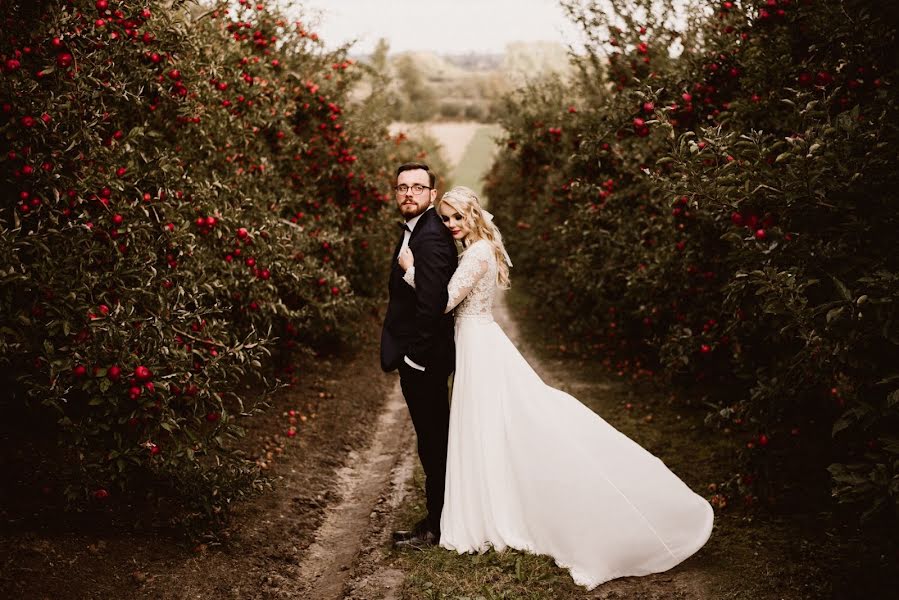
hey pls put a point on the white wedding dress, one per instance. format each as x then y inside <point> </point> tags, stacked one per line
<point>530,467</point>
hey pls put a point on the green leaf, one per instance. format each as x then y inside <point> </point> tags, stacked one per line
<point>850,418</point>
<point>893,399</point>
<point>841,287</point>
<point>834,313</point>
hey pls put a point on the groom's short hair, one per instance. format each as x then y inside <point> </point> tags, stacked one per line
<point>411,166</point>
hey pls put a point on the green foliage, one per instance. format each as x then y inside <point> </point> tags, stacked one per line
<point>733,208</point>
<point>185,194</point>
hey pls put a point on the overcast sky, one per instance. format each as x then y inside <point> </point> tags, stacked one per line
<point>442,26</point>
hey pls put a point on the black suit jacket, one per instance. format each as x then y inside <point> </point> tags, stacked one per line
<point>415,324</point>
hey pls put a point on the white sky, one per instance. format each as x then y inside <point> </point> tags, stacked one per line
<point>442,26</point>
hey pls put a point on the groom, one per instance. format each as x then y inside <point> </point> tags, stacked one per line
<point>417,337</point>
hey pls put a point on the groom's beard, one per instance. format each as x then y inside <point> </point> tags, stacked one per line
<point>411,209</point>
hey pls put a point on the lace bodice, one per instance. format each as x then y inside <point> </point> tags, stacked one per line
<point>473,285</point>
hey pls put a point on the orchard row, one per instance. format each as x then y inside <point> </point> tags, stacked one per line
<point>724,218</point>
<point>190,199</point>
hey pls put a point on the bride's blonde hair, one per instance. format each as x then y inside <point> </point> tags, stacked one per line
<point>465,201</point>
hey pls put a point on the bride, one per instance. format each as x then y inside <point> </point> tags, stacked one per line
<point>530,467</point>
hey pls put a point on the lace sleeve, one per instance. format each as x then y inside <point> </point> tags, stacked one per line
<point>409,276</point>
<point>472,266</point>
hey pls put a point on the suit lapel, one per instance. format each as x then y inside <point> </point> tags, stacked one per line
<point>418,227</point>
<point>421,223</point>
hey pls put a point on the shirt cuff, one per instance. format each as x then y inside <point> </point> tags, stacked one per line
<point>409,276</point>
<point>414,365</point>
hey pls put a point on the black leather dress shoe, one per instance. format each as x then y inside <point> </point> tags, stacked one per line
<point>405,534</point>
<point>417,542</point>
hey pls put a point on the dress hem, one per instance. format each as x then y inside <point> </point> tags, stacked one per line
<point>577,576</point>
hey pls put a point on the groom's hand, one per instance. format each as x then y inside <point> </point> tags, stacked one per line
<point>406,259</point>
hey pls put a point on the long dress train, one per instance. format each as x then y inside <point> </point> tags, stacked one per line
<point>532,468</point>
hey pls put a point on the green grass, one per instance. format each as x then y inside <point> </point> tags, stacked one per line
<point>440,574</point>
<point>477,158</point>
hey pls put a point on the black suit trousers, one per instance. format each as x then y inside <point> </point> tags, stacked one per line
<point>427,396</point>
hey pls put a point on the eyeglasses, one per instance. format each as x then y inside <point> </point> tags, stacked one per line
<point>416,188</point>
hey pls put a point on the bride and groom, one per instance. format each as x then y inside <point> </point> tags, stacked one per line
<point>511,461</point>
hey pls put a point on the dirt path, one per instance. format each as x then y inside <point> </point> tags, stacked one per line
<point>370,485</point>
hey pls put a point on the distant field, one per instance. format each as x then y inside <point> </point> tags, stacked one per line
<point>453,136</point>
<point>477,158</point>
<point>467,146</point>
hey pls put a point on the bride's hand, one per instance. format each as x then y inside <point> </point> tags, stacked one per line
<point>406,259</point>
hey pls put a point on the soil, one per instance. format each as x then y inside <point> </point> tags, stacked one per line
<point>352,524</point>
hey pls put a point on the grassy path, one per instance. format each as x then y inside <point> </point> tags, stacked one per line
<point>478,156</point>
